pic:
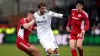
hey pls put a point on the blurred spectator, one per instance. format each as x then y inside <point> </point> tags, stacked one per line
<point>96,30</point>
<point>1,38</point>
<point>62,39</point>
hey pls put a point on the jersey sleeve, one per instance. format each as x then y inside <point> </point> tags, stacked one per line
<point>86,19</point>
<point>53,14</point>
<point>23,21</point>
<point>35,14</point>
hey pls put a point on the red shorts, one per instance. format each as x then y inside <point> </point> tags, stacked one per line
<point>22,45</point>
<point>74,36</point>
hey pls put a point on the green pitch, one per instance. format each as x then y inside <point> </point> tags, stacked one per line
<point>11,50</point>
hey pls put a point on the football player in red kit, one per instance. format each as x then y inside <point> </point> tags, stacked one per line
<point>79,23</point>
<point>25,26</point>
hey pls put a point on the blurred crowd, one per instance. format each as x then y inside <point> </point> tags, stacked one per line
<point>93,10</point>
<point>11,11</point>
<point>64,6</point>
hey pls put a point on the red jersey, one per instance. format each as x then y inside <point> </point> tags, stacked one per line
<point>23,33</point>
<point>77,20</point>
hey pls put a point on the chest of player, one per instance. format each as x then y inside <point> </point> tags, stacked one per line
<point>77,16</point>
<point>44,19</point>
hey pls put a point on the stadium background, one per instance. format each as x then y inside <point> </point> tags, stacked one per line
<point>11,11</point>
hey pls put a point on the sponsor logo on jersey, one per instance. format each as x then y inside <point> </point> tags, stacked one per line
<point>75,18</point>
<point>43,21</point>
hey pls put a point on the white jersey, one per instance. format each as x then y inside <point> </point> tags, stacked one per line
<point>44,23</point>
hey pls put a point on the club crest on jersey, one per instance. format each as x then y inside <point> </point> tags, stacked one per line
<point>79,15</point>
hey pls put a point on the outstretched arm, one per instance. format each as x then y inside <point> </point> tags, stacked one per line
<point>58,15</point>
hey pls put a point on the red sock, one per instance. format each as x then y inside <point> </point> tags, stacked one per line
<point>74,53</point>
<point>38,54</point>
<point>80,51</point>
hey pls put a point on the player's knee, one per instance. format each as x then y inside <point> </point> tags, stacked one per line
<point>49,51</point>
<point>79,46</point>
<point>56,51</point>
<point>32,54</point>
<point>37,51</point>
<point>72,46</point>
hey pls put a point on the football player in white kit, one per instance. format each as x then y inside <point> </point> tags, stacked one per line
<point>43,19</point>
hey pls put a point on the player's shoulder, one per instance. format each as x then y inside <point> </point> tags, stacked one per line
<point>74,10</point>
<point>36,13</point>
<point>22,20</point>
<point>50,12</point>
<point>85,13</point>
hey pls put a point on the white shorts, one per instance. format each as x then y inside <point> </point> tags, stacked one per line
<point>49,42</point>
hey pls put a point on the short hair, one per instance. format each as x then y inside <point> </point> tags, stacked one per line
<point>31,11</point>
<point>80,2</point>
<point>41,3</point>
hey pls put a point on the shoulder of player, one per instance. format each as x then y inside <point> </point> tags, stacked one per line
<point>36,13</point>
<point>73,10</point>
<point>85,13</point>
<point>50,12</point>
<point>23,19</point>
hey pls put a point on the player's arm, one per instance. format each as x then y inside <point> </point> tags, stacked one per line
<point>35,28</point>
<point>86,19</point>
<point>28,25</point>
<point>58,15</point>
<point>86,24</point>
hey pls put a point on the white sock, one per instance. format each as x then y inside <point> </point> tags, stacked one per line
<point>57,54</point>
<point>48,54</point>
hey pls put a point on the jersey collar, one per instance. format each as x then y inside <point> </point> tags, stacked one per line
<point>38,12</point>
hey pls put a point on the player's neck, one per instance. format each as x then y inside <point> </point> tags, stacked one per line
<point>79,10</point>
<point>41,13</point>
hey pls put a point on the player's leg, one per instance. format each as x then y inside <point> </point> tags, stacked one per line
<point>27,48</point>
<point>49,52</point>
<point>55,48</point>
<point>46,47</point>
<point>72,42</point>
<point>46,44</point>
<point>33,51</point>
<point>56,52</point>
<point>79,46</point>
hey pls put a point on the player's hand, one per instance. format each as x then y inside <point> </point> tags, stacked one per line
<point>81,34</point>
<point>68,29</point>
